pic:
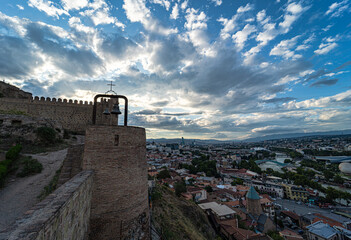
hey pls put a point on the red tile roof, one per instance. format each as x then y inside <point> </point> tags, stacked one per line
<point>290,235</point>
<point>232,203</point>
<point>326,220</point>
<point>291,215</point>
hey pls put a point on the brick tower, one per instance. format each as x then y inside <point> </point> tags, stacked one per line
<point>117,154</point>
<point>253,202</point>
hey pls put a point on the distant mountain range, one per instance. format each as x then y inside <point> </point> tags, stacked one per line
<point>297,135</point>
<point>188,141</point>
<point>256,139</point>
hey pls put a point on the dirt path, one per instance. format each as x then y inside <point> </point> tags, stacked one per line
<point>21,194</point>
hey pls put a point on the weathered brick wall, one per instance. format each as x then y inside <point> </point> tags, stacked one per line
<point>62,215</point>
<point>72,114</point>
<point>119,208</point>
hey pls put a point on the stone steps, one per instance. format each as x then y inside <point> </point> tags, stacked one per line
<point>72,164</point>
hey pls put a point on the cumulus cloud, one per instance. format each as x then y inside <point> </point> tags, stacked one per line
<point>166,4</point>
<point>271,30</point>
<point>261,17</point>
<point>196,24</point>
<point>168,123</point>
<point>137,11</point>
<point>195,20</point>
<point>98,11</point>
<point>306,43</point>
<point>117,47</point>
<point>17,58</point>
<point>284,49</point>
<point>20,7</point>
<point>336,9</point>
<point>50,8</point>
<point>217,2</point>
<point>74,4</point>
<point>242,9</point>
<point>340,99</point>
<point>74,61</point>
<point>242,36</point>
<point>325,48</point>
<point>229,25</point>
<point>175,12</point>
<point>293,12</point>
<point>184,5</point>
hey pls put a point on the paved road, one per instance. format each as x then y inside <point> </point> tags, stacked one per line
<point>302,209</point>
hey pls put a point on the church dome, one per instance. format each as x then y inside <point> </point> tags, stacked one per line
<point>345,167</point>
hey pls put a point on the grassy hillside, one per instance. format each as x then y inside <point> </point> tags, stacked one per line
<point>177,218</point>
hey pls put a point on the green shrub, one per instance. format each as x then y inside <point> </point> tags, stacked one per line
<point>163,174</point>
<point>46,135</point>
<point>6,163</point>
<point>179,188</point>
<point>5,166</point>
<point>156,195</point>
<point>31,166</point>
<point>209,189</point>
<point>13,153</point>
<point>51,187</point>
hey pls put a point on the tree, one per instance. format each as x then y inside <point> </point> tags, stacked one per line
<point>275,235</point>
<point>237,181</point>
<point>332,194</point>
<point>208,189</point>
<point>163,174</point>
<point>179,188</point>
<point>338,179</point>
<point>287,161</point>
<point>269,171</point>
<point>328,174</point>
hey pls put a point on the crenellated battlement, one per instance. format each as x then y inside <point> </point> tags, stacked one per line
<point>60,100</point>
<point>73,114</point>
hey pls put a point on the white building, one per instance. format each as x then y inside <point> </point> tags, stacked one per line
<point>271,188</point>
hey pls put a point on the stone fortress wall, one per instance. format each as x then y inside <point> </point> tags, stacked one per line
<point>73,115</point>
<point>62,215</point>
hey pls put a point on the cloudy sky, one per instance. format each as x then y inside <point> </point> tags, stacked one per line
<point>225,69</point>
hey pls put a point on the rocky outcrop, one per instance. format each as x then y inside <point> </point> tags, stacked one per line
<point>10,91</point>
<point>24,127</point>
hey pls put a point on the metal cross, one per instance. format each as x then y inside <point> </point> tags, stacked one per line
<point>111,90</point>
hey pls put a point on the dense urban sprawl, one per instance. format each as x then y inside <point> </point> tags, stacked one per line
<point>288,188</point>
